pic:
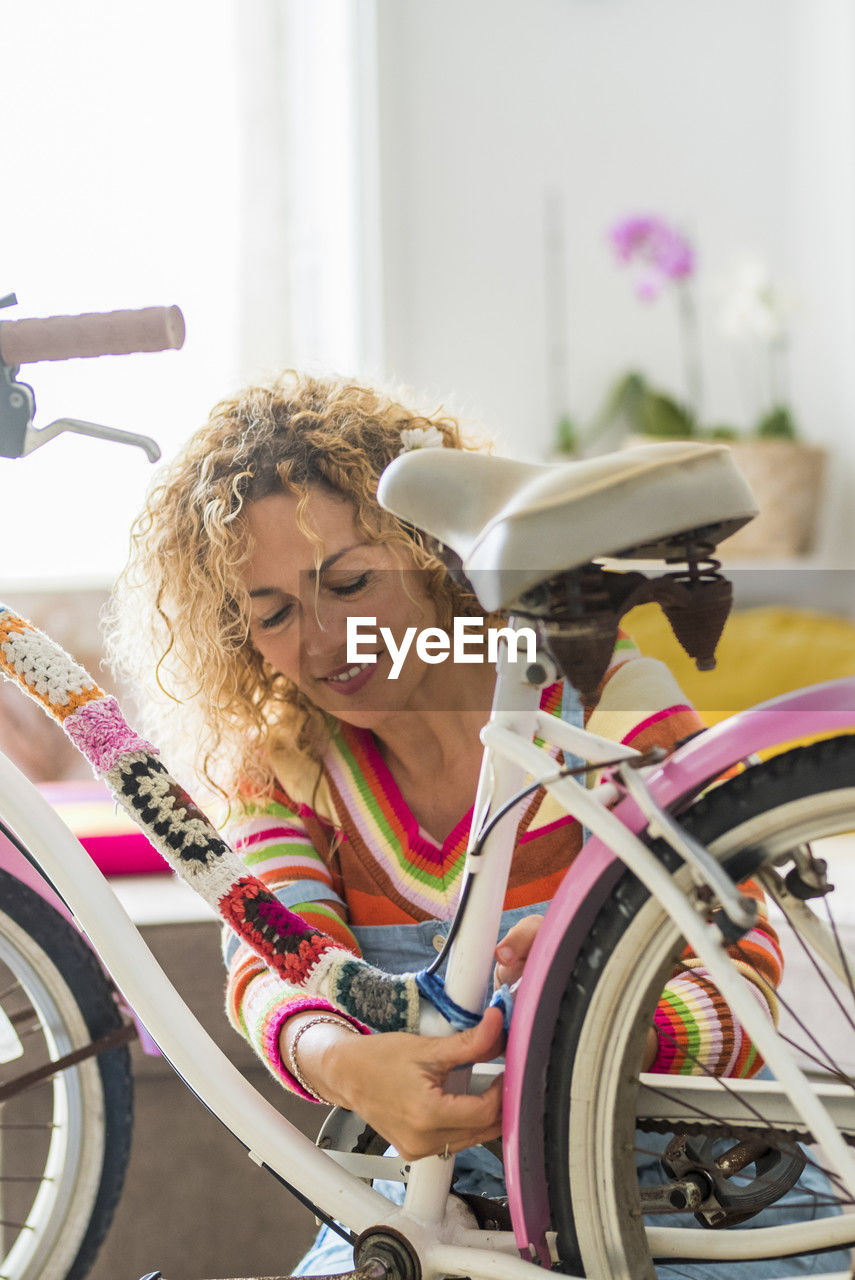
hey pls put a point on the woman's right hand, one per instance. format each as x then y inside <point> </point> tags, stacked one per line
<point>395,1081</point>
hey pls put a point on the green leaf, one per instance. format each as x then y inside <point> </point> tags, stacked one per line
<point>566,435</point>
<point>622,408</point>
<point>777,424</point>
<point>721,432</point>
<point>663,416</point>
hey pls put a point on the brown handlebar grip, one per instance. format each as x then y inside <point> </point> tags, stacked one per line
<point>101,333</point>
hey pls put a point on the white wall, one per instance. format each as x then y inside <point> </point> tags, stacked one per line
<point>733,120</point>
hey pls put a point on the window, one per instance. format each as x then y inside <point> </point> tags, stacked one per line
<point>121,190</point>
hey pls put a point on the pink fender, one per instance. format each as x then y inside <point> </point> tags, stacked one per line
<point>823,708</point>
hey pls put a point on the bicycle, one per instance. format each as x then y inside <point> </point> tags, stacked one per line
<point>666,854</point>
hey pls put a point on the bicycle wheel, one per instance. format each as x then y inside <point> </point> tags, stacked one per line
<point>64,1142</point>
<point>603,1140</point>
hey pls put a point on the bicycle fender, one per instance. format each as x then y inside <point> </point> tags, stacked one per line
<point>818,709</point>
<point>826,708</point>
<point>586,886</point>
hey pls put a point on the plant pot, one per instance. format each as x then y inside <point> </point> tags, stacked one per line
<point>788,480</point>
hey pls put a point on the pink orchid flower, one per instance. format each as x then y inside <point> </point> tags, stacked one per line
<point>659,252</point>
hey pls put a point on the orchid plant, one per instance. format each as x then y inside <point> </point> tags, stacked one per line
<point>661,257</point>
<point>661,260</point>
<point>754,314</point>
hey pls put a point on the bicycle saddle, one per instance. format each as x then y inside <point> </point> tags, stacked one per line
<point>515,524</point>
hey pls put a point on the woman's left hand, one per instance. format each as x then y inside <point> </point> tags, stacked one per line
<point>512,952</point>
<point>511,955</point>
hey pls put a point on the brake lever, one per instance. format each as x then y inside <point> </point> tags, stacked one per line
<point>18,436</point>
<point>34,437</point>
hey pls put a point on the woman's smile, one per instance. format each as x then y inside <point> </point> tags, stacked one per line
<point>349,680</point>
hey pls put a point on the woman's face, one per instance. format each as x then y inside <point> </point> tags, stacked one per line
<point>302,590</point>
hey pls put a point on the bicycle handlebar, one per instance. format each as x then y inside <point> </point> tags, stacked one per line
<point>104,333</point>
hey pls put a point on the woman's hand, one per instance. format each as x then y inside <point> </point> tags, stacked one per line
<point>512,951</point>
<point>511,955</point>
<point>396,1081</point>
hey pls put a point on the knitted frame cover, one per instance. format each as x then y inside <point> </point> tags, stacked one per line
<point>188,841</point>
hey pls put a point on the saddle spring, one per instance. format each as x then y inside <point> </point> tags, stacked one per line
<point>579,611</point>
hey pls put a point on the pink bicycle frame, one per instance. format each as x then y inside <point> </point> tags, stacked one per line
<point>819,709</point>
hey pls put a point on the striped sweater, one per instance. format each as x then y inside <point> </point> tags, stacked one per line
<point>345,849</point>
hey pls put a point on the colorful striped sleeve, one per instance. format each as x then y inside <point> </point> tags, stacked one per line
<point>273,841</point>
<point>698,1033</point>
<point>642,705</point>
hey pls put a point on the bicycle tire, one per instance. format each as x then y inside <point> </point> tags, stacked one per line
<point>61,1000</point>
<point>610,996</point>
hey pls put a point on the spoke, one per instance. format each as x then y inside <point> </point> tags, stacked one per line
<point>841,952</point>
<point>721,1081</point>
<point>834,1073</point>
<point>15,1177</point>
<point>23,1015</point>
<point>823,977</point>
<point>826,1060</point>
<point>9,1079</point>
<point>33,1028</point>
<point>28,1125</point>
<point>695,1109</point>
<point>14,987</point>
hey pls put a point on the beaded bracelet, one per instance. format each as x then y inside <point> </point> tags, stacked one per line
<point>292,1050</point>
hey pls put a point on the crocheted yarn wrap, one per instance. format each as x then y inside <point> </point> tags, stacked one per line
<point>189,842</point>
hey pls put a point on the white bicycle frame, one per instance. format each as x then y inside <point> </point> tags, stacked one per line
<point>437,1225</point>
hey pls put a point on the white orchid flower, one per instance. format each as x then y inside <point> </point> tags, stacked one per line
<point>752,306</point>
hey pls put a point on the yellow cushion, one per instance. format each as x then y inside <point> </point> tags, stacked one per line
<point>762,653</point>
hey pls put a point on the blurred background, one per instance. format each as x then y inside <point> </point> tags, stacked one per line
<point>422,192</point>
<point>575,222</point>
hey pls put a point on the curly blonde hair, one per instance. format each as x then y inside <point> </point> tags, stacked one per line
<point>178,622</point>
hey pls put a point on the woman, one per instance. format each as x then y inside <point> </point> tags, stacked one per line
<point>351,792</point>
